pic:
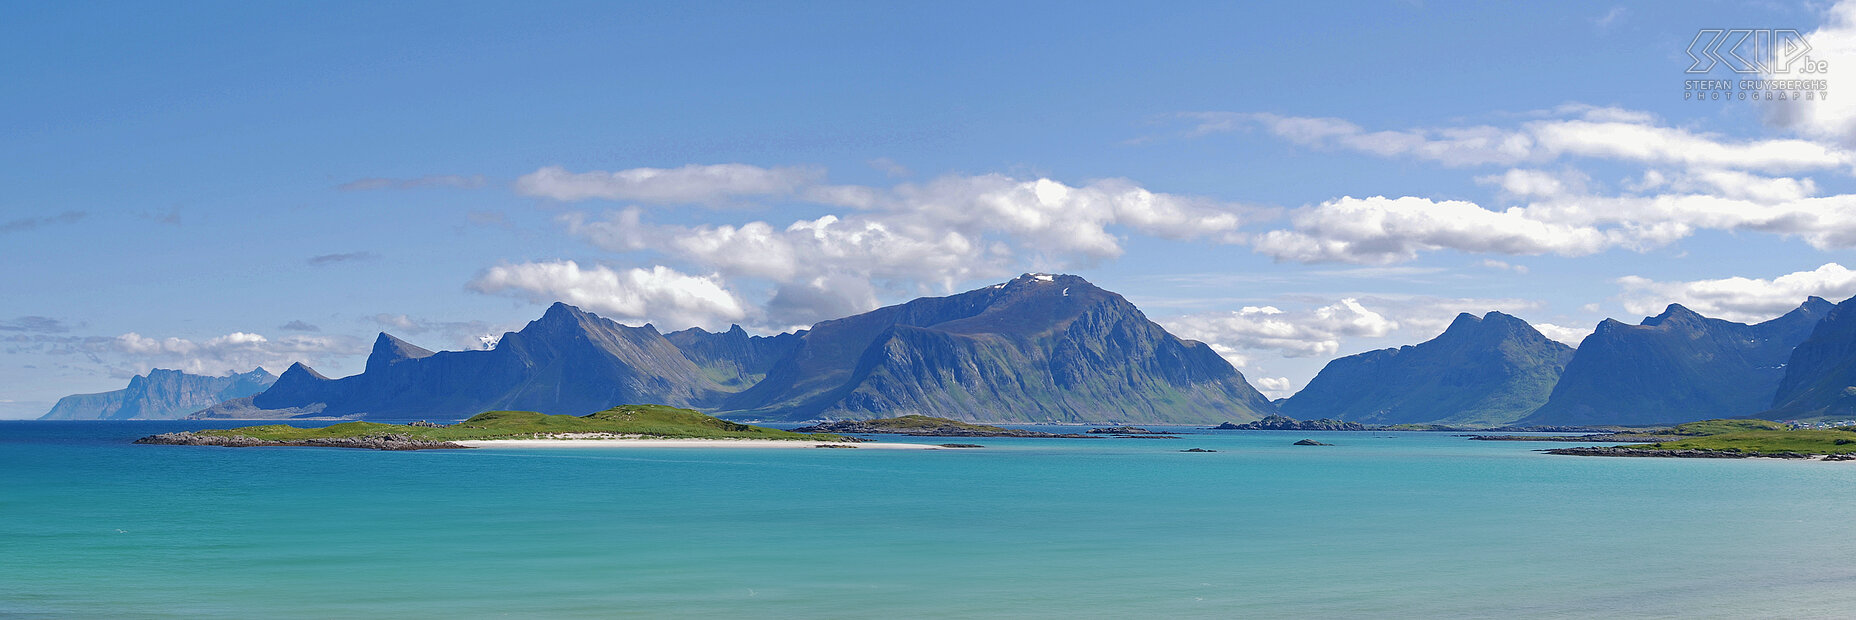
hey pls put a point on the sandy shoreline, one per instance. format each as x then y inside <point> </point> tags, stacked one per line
<point>688,443</point>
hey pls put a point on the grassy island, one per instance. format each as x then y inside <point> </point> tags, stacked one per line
<point>623,422</point>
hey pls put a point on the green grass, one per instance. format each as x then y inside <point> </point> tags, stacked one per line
<point>657,421</point>
<point>1768,441</point>
<point>1717,427</point>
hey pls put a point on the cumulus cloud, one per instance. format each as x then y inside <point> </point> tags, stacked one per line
<point>1830,119</point>
<point>691,184</point>
<point>658,293</point>
<point>919,238</point>
<point>431,180</point>
<point>1570,336</point>
<point>1274,387</point>
<point>1379,230</point>
<point>233,352</point>
<point>1746,300</point>
<point>1315,333</point>
<point>1600,133</point>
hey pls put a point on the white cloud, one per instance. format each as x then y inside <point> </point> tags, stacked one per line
<point>1274,387</point>
<point>1504,266</point>
<point>1569,336</point>
<point>660,294</point>
<point>1602,133</point>
<point>1267,328</point>
<point>692,184</point>
<point>233,352</point>
<point>1379,230</point>
<point>1831,119</point>
<point>918,238</point>
<point>1746,300</point>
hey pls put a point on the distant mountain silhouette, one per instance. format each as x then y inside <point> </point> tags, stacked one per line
<point>1486,371</point>
<point>1037,348</point>
<point>160,395</point>
<point>1820,374</point>
<point>1677,366</point>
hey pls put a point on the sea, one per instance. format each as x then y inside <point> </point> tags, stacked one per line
<point>1378,525</point>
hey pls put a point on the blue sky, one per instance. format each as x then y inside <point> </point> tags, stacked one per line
<point>215,186</point>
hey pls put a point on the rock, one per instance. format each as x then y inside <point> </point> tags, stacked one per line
<point>1285,423</point>
<point>381,442</point>
<point>961,445</point>
<point>1311,442</point>
<point>1120,430</point>
<point>1197,450</point>
<point>833,445</point>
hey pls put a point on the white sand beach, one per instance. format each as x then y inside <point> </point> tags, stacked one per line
<point>690,443</point>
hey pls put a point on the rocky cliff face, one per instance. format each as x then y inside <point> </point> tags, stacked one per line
<point>1038,348</point>
<point>733,358</point>
<point>1820,374</point>
<point>1484,371</point>
<point>1677,367</point>
<point>160,395</point>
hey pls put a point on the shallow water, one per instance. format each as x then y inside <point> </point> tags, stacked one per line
<point>1382,524</point>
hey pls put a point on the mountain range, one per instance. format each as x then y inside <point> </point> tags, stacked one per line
<point>1038,348</point>
<point>1678,366</point>
<point>160,395</point>
<point>1481,371</point>
<point>1055,348</point>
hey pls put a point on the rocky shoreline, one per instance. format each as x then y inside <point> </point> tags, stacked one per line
<point>380,442</point>
<point>1285,423</point>
<point>946,430</point>
<point>1600,438</point>
<point>1677,454</point>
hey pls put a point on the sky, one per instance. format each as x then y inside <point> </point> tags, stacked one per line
<point>214,187</point>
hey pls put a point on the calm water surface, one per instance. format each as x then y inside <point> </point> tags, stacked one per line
<point>1382,524</point>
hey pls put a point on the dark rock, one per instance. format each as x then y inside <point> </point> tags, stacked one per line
<point>833,445</point>
<point>961,445</point>
<point>380,442</point>
<point>1197,450</point>
<point>1311,442</point>
<point>1120,430</point>
<point>1285,423</point>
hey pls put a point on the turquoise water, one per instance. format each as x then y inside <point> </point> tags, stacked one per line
<point>1383,524</point>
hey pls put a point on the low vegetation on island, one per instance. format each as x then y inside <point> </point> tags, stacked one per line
<point>1727,439</point>
<point>623,422</point>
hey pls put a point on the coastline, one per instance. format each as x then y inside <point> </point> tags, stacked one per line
<point>689,443</point>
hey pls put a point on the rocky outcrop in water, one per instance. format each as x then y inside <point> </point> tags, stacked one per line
<point>1285,423</point>
<point>381,442</point>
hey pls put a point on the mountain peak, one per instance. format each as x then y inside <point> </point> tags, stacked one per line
<point>389,349</point>
<point>298,369</point>
<point>1677,312</point>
